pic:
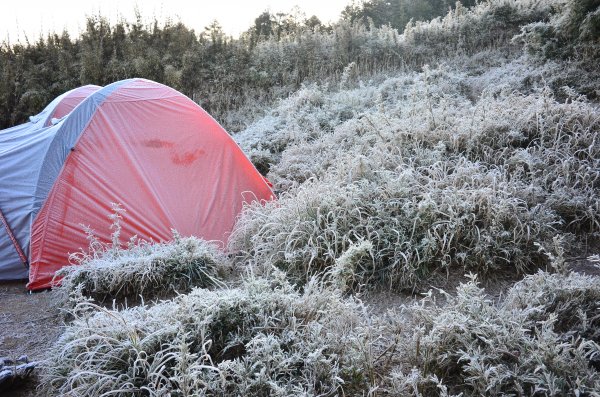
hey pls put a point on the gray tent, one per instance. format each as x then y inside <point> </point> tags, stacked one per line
<point>22,150</point>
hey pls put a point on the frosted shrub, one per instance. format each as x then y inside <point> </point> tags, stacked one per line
<point>296,233</point>
<point>552,147</point>
<point>541,340</point>
<point>573,299</point>
<point>146,270</point>
<point>311,54</point>
<point>489,24</point>
<point>303,117</point>
<point>263,338</point>
<point>420,222</point>
<point>430,178</point>
<point>571,31</point>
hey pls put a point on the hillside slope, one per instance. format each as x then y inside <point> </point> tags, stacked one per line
<point>477,163</point>
<point>418,169</point>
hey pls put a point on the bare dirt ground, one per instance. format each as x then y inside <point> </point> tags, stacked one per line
<point>29,325</point>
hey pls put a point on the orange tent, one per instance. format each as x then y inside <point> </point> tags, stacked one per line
<point>143,145</point>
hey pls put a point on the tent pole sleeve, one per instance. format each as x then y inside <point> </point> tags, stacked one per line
<point>14,240</point>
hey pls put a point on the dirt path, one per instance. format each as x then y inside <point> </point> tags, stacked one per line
<point>29,325</point>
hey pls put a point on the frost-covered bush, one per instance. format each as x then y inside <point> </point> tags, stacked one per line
<point>143,270</point>
<point>420,221</point>
<point>573,299</point>
<point>489,24</point>
<point>429,177</point>
<point>262,339</point>
<point>544,144</point>
<point>541,340</point>
<point>303,117</point>
<point>549,147</point>
<point>282,64</point>
<point>343,275</point>
<point>572,30</point>
<point>307,54</point>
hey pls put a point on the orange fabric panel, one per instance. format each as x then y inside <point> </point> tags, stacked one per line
<point>158,155</point>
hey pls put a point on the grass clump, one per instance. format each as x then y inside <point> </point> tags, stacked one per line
<point>142,270</point>
<point>542,339</point>
<point>263,338</point>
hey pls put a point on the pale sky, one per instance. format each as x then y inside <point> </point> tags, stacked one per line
<point>32,18</point>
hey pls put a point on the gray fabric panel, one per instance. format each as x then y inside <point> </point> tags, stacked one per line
<point>31,158</point>
<point>11,267</point>
<point>22,151</point>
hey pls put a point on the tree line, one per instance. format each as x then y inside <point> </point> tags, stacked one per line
<point>279,52</point>
<point>214,69</point>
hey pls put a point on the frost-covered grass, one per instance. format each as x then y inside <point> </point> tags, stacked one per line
<point>431,177</point>
<point>261,339</point>
<point>541,339</point>
<point>142,270</point>
<point>267,338</point>
<point>487,162</point>
<point>419,222</point>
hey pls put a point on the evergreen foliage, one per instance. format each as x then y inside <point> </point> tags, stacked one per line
<point>229,77</point>
<point>398,13</point>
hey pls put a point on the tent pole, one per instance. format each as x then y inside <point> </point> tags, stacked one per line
<point>14,240</point>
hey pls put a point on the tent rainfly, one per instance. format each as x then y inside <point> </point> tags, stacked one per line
<point>135,142</point>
